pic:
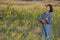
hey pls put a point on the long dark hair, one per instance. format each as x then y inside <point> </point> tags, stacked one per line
<point>51,8</point>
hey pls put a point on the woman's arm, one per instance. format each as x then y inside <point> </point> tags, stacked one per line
<point>42,21</point>
<point>46,19</point>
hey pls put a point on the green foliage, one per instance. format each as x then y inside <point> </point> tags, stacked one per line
<point>23,24</point>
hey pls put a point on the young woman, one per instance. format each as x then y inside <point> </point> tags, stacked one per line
<point>46,20</point>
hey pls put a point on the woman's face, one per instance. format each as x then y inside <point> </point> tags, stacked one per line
<point>47,8</point>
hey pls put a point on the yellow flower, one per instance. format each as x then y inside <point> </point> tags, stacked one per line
<point>30,33</point>
<point>18,36</point>
<point>13,34</point>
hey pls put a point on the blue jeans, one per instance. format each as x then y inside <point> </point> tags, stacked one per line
<point>46,31</point>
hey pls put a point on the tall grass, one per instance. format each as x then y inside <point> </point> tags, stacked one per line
<point>21,22</point>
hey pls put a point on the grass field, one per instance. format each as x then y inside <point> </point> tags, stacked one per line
<point>21,22</point>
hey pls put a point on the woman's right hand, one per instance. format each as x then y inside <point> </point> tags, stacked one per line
<point>43,21</point>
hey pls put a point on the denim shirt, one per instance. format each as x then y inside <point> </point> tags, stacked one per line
<point>45,15</point>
